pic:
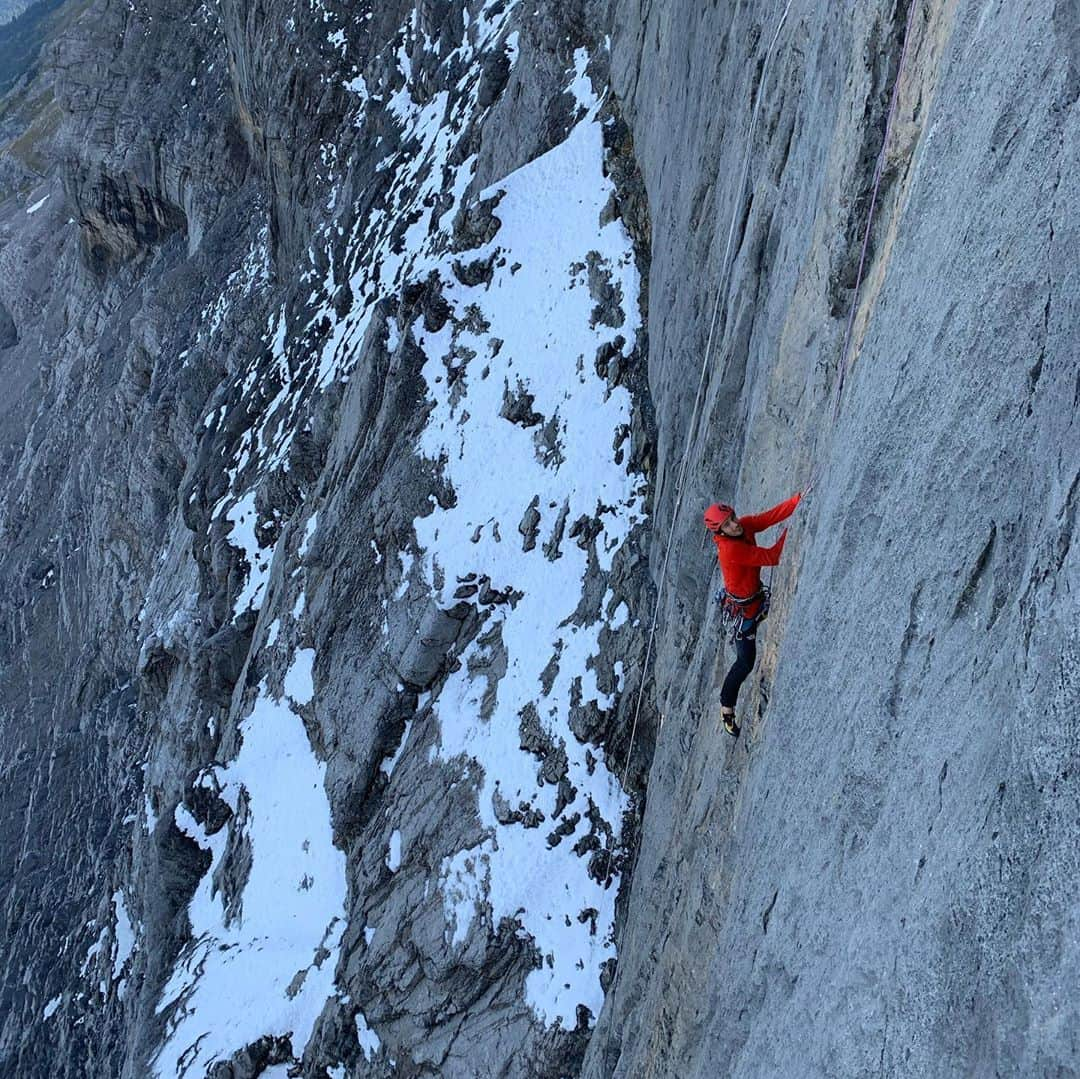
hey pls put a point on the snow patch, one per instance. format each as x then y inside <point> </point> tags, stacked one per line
<point>406,559</point>
<point>512,47</point>
<point>387,767</point>
<point>536,351</point>
<point>299,683</point>
<point>243,518</point>
<point>93,951</point>
<point>465,877</point>
<point>264,956</point>
<point>393,853</point>
<point>369,1040</point>
<point>125,934</point>
<point>309,531</point>
<point>581,86</point>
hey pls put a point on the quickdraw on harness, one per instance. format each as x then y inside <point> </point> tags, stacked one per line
<point>733,612</point>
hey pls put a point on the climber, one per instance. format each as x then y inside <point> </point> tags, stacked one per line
<point>746,602</point>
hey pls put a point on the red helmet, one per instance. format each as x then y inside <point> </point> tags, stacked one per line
<point>717,514</point>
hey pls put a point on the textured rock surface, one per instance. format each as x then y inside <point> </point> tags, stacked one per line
<point>333,788</point>
<point>881,876</point>
<point>252,289</point>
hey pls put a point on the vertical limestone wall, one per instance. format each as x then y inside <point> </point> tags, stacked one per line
<point>880,876</point>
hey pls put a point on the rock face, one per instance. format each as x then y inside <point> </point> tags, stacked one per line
<point>881,876</point>
<point>330,473</point>
<point>362,402</point>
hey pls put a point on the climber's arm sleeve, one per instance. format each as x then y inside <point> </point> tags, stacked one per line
<point>758,522</point>
<point>746,554</point>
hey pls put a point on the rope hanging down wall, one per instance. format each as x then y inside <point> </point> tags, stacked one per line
<point>879,169</point>
<point>724,273</point>
<point>725,267</point>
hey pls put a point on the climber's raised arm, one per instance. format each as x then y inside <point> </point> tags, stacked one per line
<point>758,522</point>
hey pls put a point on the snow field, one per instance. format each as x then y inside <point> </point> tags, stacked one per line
<point>258,960</point>
<point>539,339</point>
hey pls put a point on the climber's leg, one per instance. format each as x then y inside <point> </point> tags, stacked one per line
<point>745,655</point>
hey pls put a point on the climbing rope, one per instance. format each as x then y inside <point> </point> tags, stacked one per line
<point>724,273</point>
<point>878,171</point>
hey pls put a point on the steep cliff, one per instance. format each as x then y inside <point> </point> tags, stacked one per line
<point>362,403</point>
<point>881,876</point>
<point>328,476</point>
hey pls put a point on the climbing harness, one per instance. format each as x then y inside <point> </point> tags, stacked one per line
<point>733,612</point>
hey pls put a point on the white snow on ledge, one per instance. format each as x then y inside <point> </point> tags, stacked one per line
<point>299,684</point>
<point>125,934</point>
<point>254,968</point>
<point>243,517</point>
<point>534,333</point>
<point>233,983</point>
<point>393,852</point>
<point>369,1040</point>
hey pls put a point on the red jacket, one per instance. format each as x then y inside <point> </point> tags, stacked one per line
<point>741,558</point>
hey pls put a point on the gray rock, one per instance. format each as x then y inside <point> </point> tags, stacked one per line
<point>840,892</point>
<point>880,876</point>
<point>9,335</point>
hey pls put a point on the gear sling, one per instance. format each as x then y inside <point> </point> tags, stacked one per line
<point>733,612</point>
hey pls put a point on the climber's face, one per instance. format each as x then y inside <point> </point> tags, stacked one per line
<point>731,527</point>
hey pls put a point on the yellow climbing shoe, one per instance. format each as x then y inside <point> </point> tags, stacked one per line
<point>730,723</point>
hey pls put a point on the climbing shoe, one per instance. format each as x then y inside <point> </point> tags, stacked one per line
<point>730,723</point>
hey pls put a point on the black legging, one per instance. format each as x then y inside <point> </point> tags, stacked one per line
<point>745,654</point>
